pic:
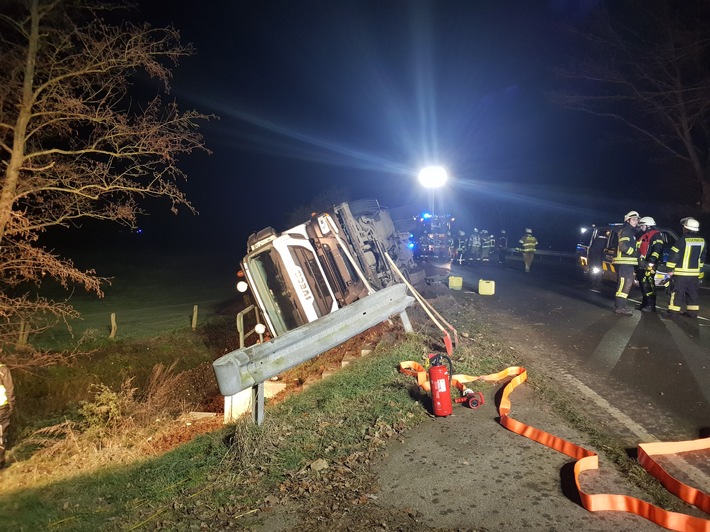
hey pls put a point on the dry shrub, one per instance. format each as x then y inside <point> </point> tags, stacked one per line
<point>112,419</point>
<point>252,445</point>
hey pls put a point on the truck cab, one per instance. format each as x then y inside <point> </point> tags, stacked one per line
<point>597,247</point>
<point>301,274</point>
<point>323,264</point>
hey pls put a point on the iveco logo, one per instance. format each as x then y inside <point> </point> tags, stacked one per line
<point>303,285</point>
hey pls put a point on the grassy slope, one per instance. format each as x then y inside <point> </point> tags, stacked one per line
<point>331,420</point>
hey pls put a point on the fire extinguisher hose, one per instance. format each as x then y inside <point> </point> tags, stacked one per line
<point>587,460</point>
<point>431,311</point>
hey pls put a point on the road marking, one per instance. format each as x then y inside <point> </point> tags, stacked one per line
<point>614,342</point>
<point>695,358</point>
<point>699,477</point>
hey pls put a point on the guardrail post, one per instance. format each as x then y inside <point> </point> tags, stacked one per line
<point>257,403</point>
<point>405,322</point>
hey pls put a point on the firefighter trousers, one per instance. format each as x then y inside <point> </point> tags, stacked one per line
<point>684,292</point>
<point>625,280</point>
<point>647,282</point>
<point>528,259</point>
<point>4,425</point>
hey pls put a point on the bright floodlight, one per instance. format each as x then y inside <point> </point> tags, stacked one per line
<point>433,177</point>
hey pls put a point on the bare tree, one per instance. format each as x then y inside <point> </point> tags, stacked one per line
<point>647,65</point>
<point>74,145</point>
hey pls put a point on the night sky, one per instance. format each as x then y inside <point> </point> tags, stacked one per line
<point>357,96</point>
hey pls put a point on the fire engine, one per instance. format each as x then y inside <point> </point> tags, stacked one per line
<point>432,239</point>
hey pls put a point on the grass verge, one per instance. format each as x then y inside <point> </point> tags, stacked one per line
<point>332,429</point>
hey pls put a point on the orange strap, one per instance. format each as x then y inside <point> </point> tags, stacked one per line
<point>588,460</point>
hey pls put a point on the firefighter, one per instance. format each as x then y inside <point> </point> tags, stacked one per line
<point>625,261</point>
<point>487,243</point>
<point>502,246</point>
<point>475,244</point>
<point>685,265</point>
<point>650,246</point>
<point>7,404</point>
<point>528,244</point>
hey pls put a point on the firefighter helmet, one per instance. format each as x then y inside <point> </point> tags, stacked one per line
<point>647,220</point>
<point>528,230</point>
<point>691,224</point>
<point>630,214</point>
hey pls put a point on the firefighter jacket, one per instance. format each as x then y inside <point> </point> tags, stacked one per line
<point>7,397</point>
<point>650,245</point>
<point>487,241</point>
<point>687,256</point>
<point>528,243</point>
<point>626,251</point>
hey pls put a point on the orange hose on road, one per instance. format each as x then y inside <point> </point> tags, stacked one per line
<point>588,460</point>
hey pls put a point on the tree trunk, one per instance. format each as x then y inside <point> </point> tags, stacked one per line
<point>705,199</point>
<point>12,173</point>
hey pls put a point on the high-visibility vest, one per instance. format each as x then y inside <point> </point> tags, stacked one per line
<point>529,243</point>
<point>626,252</point>
<point>687,256</point>
<point>3,392</point>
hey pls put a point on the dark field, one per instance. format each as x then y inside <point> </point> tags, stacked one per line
<point>151,291</point>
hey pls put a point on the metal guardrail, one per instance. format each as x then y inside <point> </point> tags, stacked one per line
<point>249,367</point>
<point>544,255</point>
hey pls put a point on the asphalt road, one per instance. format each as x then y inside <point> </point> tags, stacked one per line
<point>655,370</point>
<point>639,379</point>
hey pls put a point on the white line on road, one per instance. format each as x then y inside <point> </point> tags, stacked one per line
<point>614,342</point>
<point>697,476</point>
<point>695,358</point>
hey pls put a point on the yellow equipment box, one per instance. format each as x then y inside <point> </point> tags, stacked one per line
<point>455,283</point>
<point>486,288</point>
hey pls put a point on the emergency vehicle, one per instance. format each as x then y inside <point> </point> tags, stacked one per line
<point>433,240</point>
<point>597,247</point>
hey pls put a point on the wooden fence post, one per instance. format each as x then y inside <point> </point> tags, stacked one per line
<point>194,317</point>
<point>113,326</point>
<point>21,338</point>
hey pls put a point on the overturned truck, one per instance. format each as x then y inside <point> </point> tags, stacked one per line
<point>330,261</point>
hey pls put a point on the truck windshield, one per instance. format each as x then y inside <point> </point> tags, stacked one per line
<point>271,285</point>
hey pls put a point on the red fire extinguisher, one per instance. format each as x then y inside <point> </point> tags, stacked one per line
<point>440,383</point>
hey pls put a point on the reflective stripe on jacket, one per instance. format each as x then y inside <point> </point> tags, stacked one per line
<point>626,252</point>
<point>528,243</point>
<point>687,256</point>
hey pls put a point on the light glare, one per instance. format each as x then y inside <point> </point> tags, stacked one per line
<point>433,177</point>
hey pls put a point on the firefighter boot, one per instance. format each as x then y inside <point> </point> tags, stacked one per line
<point>644,303</point>
<point>650,305</point>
